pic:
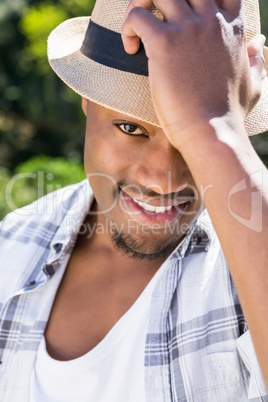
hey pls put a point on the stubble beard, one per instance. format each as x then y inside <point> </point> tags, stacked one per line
<point>137,248</point>
<point>133,248</point>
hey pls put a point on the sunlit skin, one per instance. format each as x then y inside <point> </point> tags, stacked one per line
<point>203,81</point>
<point>126,158</point>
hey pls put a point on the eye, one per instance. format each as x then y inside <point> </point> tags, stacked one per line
<point>131,129</point>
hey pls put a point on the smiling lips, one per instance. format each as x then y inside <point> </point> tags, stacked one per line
<point>156,209</point>
<point>152,208</point>
<point>147,214</point>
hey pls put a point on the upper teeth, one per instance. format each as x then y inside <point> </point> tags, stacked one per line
<point>152,208</point>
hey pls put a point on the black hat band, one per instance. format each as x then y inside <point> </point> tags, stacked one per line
<point>106,47</point>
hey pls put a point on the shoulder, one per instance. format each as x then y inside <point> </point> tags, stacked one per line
<point>44,213</point>
<point>26,234</point>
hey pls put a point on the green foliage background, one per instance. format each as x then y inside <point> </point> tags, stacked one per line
<point>41,123</point>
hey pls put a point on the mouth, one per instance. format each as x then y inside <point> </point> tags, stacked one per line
<point>154,208</point>
<point>148,214</point>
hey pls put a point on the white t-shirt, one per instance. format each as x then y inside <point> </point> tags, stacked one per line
<point>113,371</point>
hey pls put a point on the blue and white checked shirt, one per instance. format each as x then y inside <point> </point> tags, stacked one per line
<point>197,346</point>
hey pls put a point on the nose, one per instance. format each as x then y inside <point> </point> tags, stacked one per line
<point>162,169</point>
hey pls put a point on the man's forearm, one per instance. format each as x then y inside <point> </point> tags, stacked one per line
<point>235,190</point>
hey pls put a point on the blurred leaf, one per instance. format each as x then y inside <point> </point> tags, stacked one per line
<point>36,178</point>
<point>5,176</point>
<point>36,24</point>
<point>264,16</point>
<point>78,8</point>
<point>8,7</point>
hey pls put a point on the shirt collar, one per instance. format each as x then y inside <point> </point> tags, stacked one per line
<point>199,238</point>
<point>75,208</point>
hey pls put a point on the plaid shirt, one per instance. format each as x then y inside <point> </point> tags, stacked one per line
<point>197,346</point>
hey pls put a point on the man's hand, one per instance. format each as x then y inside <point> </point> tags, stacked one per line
<point>198,62</point>
<point>204,80</point>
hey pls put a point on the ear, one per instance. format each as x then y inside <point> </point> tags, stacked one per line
<point>84,105</point>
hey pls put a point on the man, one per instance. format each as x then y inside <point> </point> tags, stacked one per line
<point>121,291</point>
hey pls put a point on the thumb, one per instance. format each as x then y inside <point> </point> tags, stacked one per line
<point>256,61</point>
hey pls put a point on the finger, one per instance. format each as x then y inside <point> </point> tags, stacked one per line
<point>204,7</point>
<point>231,6</point>
<point>255,54</point>
<point>140,24</point>
<point>256,60</point>
<point>170,9</point>
<point>139,3</point>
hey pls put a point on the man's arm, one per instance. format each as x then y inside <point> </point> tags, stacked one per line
<point>204,81</point>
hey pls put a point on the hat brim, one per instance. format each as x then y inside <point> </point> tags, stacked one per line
<point>121,91</point>
<point>118,90</point>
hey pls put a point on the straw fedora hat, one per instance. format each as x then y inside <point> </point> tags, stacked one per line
<point>88,55</point>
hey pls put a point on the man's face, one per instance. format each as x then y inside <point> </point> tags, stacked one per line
<point>144,191</point>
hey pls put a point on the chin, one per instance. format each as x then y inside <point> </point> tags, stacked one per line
<point>139,249</point>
